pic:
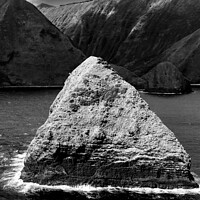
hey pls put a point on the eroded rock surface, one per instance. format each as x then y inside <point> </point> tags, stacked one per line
<point>32,50</point>
<point>129,33</point>
<point>101,132</point>
<point>166,78</point>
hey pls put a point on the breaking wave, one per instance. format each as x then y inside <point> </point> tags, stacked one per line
<point>12,182</point>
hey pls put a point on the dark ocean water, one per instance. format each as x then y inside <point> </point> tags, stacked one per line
<point>22,112</point>
<point>181,113</point>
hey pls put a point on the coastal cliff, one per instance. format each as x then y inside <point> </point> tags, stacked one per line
<point>101,132</point>
<point>32,50</point>
<point>130,33</point>
<point>166,78</point>
<point>185,54</point>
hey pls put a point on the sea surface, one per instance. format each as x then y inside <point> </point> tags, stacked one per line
<point>23,111</point>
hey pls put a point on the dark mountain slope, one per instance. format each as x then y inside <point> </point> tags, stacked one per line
<point>185,54</point>
<point>131,33</point>
<point>44,5</point>
<point>166,78</point>
<point>32,50</point>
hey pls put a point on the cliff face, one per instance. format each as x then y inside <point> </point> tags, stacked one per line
<point>185,54</point>
<point>125,32</point>
<point>166,78</point>
<point>32,50</point>
<point>100,132</point>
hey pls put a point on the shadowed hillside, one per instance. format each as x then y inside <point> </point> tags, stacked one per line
<point>185,54</point>
<point>32,50</point>
<point>130,33</point>
<point>53,2</point>
<point>44,6</point>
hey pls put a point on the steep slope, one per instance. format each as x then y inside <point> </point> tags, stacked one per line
<point>44,6</point>
<point>130,77</point>
<point>32,50</point>
<point>68,16</point>
<point>101,132</point>
<point>166,78</point>
<point>185,54</point>
<point>52,2</point>
<point>131,33</point>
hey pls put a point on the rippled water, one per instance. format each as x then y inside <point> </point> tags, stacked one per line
<point>22,112</point>
<point>181,113</point>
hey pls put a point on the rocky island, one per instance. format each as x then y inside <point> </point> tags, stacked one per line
<point>101,132</point>
<point>166,78</point>
<point>33,52</point>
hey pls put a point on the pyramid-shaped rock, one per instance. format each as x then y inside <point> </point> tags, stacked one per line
<point>32,50</point>
<point>101,132</point>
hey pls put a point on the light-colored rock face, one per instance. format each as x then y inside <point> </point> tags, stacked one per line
<point>166,78</point>
<point>32,50</point>
<point>126,32</point>
<point>99,131</point>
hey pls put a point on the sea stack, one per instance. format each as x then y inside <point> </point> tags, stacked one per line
<point>32,50</point>
<point>101,132</point>
<point>166,78</point>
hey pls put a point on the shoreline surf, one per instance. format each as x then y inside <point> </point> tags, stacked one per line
<point>11,181</point>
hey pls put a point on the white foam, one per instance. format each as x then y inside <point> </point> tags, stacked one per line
<point>11,180</point>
